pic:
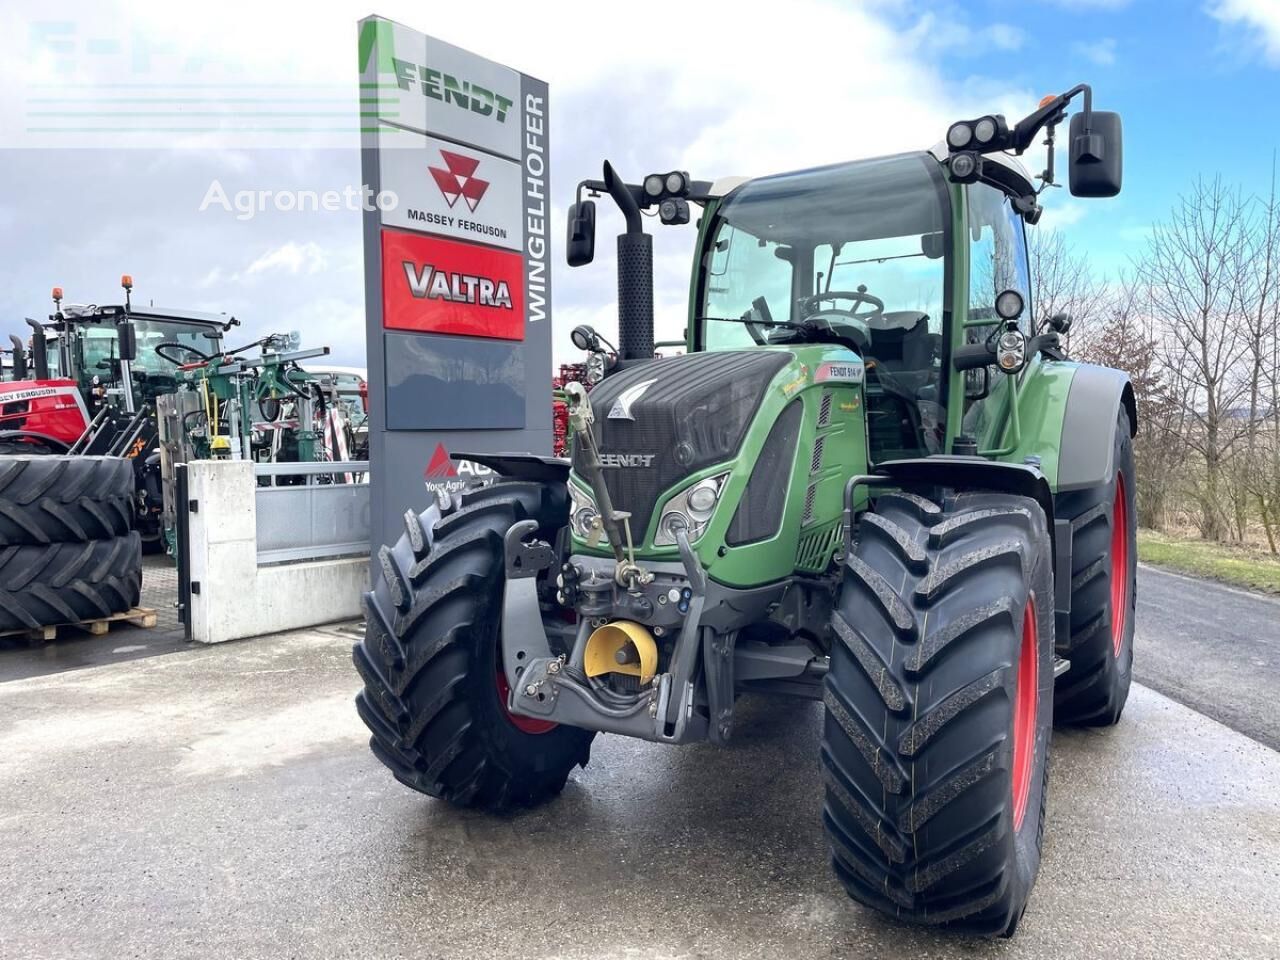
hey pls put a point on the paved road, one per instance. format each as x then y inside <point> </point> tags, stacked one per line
<point>1213,648</point>
<point>223,803</point>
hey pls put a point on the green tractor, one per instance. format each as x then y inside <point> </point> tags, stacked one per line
<point>871,481</point>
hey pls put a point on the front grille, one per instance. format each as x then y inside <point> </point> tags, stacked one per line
<point>693,414</point>
<point>759,513</point>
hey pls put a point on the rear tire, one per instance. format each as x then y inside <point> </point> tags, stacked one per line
<point>68,582</point>
<point>939,710</point>
<point>60,499</point>
<point>433,696</point>
<point>1104,568</point>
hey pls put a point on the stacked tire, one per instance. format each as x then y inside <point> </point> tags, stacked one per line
<point>68,552</point>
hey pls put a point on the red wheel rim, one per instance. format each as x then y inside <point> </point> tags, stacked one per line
<point>1119,566</point>
<point>523,724</point>
<point>1026,701</point>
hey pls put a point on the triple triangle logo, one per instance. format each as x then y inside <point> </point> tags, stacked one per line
<point>459,179</point>
<point>440,467</point>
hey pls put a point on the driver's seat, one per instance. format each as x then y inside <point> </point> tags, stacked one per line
<point>902,343</point>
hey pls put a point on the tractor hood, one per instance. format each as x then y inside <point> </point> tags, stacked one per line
<point>661,421</point>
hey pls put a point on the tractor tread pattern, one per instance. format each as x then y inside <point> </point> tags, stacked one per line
<point>1094,690</point>
<point>437,601</point>
<point>916,758</point>
<point>64,499</point>
<point>68,582</point>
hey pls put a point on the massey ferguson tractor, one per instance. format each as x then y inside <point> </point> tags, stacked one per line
<point>874,480</point>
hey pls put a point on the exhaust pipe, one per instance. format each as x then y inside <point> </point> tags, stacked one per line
<point>635,274</point>
<point>19,357</point>
<point>39,352</point>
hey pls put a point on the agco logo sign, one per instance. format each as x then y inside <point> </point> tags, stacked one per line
<point>458,179</point>
<point>441,476</point>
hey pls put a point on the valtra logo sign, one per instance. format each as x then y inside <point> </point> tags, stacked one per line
<point>459,179</point>
<point>439,286</point>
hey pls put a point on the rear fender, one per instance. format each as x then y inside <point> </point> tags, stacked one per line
<point>1088,434</point>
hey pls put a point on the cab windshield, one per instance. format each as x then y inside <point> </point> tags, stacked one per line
<point>99,347</point>
<point>850,254</point>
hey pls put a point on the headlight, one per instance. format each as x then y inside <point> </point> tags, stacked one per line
<point>584,515</point>
<point>689,511</point>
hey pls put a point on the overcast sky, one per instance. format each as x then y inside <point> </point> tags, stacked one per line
<point>730,88</point>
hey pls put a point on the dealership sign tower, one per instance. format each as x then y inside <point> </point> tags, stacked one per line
<point>457,269</point>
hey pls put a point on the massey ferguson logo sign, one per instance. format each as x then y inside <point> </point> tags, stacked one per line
<point>459,179</point>
<point>439,286</point>
<point>448,189</point>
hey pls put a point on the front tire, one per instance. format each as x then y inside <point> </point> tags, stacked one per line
<point>939,709</point>
<point>434,695</point>
<point>1104,570</point>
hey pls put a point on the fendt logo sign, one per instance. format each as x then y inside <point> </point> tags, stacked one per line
<point>459,179</point>
<point>439,286</point>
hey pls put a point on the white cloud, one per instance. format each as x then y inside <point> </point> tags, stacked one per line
<point>1258,22</point>
<point>1060,215</point>
<point>825,83</point>
<point>291,257</point>
<point>1102,52</point>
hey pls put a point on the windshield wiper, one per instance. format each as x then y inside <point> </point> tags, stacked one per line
<point>754,322</point>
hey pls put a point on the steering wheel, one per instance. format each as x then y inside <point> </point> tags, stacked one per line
<point>858,296</point>
<point>167,349</point>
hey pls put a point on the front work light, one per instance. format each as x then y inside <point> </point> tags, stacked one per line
<point>959,135</point>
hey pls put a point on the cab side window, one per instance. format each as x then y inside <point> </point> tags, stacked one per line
<point>997,253</point>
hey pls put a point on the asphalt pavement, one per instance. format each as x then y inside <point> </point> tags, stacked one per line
<point>1214,648</point>
<point>222,802</point>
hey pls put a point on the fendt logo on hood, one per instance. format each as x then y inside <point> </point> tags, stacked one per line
<point>627,459</point>
<point>459,180</point>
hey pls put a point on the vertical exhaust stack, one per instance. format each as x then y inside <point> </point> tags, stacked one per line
<point>635,274</point>
<point>19,357</point>
<point>39,353</point>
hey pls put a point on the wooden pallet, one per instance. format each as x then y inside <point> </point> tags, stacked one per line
<point>138,617</point>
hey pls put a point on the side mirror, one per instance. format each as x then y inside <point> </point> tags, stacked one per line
<point>1060,322</point>
<point>127,339</point>
<point>1097,157</point>
<point>932,246</point>
<point>580,246</point>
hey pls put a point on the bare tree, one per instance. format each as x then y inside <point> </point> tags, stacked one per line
<point>1259,270</point>
<point>1062,282</point>
<point>1125,337</point>
<point>1191,273</point>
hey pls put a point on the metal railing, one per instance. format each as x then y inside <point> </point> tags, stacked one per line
<point>321,515</point>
